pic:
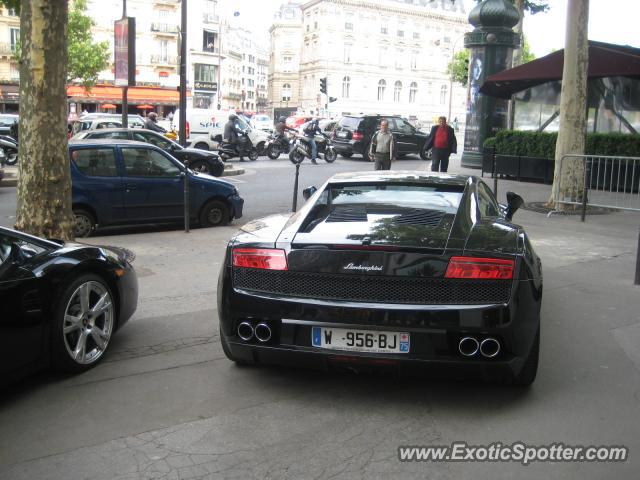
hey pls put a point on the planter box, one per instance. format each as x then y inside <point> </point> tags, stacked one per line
<point>508,165</point>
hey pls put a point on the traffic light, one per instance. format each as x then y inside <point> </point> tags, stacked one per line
<point>323,85</point>
<point>332,99</point>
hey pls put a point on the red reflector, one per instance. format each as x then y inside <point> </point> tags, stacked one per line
<point>266,258</point>
<point>357,136</point>
<point>480,268</point>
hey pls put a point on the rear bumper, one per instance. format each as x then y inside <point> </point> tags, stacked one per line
<point>349,148</point>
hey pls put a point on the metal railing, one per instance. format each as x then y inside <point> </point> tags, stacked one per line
<point>608,182</point>
<point>163,60</point>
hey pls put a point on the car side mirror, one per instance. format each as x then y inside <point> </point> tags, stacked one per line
<point>514,202</point>
<point>308,192</point>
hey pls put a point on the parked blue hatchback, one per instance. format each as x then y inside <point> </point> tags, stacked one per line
<point>122,182</point>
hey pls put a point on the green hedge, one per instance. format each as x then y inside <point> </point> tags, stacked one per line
<point>543,144</point>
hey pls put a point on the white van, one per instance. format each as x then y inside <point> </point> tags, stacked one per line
<point>200,122</point>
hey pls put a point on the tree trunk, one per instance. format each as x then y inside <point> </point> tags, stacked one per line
<point>44,185</point>
<point>517,52</point>
<point>568,183</point>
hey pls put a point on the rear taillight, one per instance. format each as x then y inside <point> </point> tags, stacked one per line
<point>265,258</point>
<point>357,136</point>
<point>480,268</point>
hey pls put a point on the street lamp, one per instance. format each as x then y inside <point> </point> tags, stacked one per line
<point>453,54</point>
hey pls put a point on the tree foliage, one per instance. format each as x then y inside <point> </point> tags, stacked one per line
<point>458,69</point>
<point>86,58</point>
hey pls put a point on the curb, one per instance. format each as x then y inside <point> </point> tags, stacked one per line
<point>230,172</point>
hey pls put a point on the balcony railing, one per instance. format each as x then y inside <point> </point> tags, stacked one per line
<point>164,60</point>
<point>210,18</point>
<point>210,49</point>
<point>7,49</point>
<point>164,28</point>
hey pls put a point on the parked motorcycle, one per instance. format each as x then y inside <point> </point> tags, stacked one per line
<point>9,146</point>
<point>277,144</point>
<point>302,148</point>
<point>243,148</point>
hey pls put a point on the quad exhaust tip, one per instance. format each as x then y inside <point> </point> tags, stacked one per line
<point>245,331</point>
<point>468,346</point>
<point>489,347</point>
<point>263,332</point>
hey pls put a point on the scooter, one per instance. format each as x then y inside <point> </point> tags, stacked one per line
<point>302,148</point>
<point>9,146</point>
<point>243,148</point>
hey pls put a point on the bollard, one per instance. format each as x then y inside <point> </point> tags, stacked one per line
<point>585,191</point>
<point>294,207</point>
<point>637,282</point>
<point>495,175</point>
<point>186,196</point>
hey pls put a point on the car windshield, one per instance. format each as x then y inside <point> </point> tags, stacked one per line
<point>350,122</point>
<point>261,118</point>
<point>242,123</point>
<point>445,198</point>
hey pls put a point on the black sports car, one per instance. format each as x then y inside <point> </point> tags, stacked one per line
<point>403,269</point>
<point>60,303</point>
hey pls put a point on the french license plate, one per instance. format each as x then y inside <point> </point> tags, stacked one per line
<point>343,134</point>
<point>360,340</point>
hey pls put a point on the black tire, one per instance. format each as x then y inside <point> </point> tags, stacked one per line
<point>228,354</point>
<point>528,373</point>
<point>330,155</point>
<point>296,157</point>
<point>214,213</point>
<point>99,320</point>
<point>273,151</point>
<point>346,155</point>
<point>254,154</point>
<point>425,155</point>
<point>12,156</point>
<point>85,223</point>
<point>200,166</point>
<point>201,146</point>
<point>365,153</point>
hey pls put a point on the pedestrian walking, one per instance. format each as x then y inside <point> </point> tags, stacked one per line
<point>442,142</point>
<point>383,147</point>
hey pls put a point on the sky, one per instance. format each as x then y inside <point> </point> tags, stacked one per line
<point>613,21</point>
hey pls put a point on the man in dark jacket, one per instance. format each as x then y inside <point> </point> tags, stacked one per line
<point>310,130</point>
<point>152,123</point>
<point>442,142</point>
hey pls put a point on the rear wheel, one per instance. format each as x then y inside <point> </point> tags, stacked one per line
<point>273,151</point>
<point>296,157</point>
<point>12,156</point>
<point>84,320</point>
<point>528,373</point>
<point>214,213</point>
<point>201,146</point>
<point>254,154</point>
<point>85,223</point>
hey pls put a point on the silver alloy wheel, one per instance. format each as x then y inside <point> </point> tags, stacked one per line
<point>88,322</point>
<point>200,167</point>
<point>83,226</point>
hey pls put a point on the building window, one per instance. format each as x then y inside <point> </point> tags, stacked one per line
<point>382,85</point>
<point>384,30</point>
<point>414,60</point>
<point>397,91</point>
<point>413,91</point>
<point>204,73</point>
<point>286,92</point>
<point>401,33</point>
<point>15,38</point>
<point>347,53</point>
<point>208,41</point>
<point>383,58</point>
<point>443,94</point>
<point>416,36</point>
<point>348,26</point>
<point>202,100</point>
<point>400,59</point>
<point>164,50</point>
<point>346,81</point>
<point>287,63</point>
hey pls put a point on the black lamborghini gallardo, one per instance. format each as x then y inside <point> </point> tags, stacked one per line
<point>398,269</point>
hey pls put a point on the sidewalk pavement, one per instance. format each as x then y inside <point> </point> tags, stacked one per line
<point>11,174</point>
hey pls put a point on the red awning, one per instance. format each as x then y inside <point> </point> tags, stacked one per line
<point>605,60</point>
<point>136,95</point>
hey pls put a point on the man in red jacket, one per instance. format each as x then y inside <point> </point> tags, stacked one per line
<point>442,142</point>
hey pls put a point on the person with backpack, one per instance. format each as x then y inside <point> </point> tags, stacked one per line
<point>310,131</point>
<point>383,147</point>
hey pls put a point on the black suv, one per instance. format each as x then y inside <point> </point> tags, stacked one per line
<point>353,135</point>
